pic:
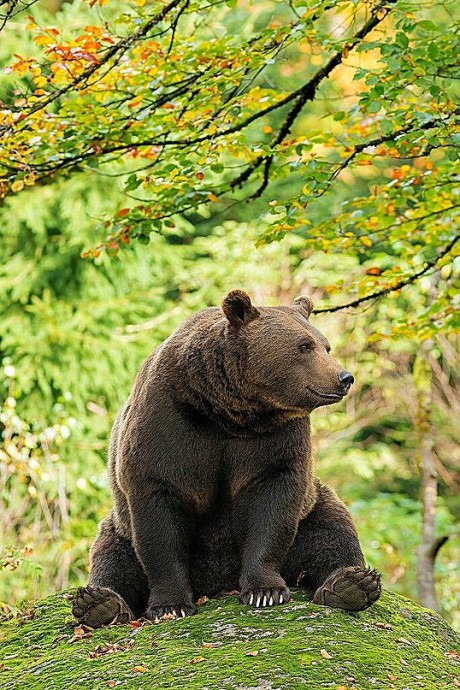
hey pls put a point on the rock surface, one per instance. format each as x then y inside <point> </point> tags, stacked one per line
<point>395,644</point>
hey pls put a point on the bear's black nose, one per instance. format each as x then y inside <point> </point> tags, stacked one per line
<point>346,379</point>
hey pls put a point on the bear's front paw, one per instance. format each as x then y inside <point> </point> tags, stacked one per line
<point>158,613</point>
<point>353,588</point>
<point>262,597</point>
<point>98,606</point>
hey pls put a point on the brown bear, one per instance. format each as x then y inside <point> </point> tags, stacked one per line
<point>212,476</point>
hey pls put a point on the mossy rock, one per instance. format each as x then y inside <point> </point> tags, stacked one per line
<point>395,644</point>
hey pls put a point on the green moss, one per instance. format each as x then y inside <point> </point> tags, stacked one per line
<point>298,645</point>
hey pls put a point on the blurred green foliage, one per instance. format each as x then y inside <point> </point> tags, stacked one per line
<point>74,332</point>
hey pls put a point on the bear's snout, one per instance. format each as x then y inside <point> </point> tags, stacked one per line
<point>346,380</point>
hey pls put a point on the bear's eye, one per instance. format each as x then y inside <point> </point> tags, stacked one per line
<point>306,347</point>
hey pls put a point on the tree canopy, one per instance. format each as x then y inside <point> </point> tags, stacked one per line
<point>337,121</point>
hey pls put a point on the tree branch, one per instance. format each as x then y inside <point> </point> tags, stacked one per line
<point>398,286</point>
<point>118,49</point>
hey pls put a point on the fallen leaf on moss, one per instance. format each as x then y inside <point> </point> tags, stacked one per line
<point>202,600</point>
<point>135,624</point>
<point>110,648</point>
<point>390,677</point>
<point>404,662</point>
<point>212,644</point>
<point>80,633</point>
<point>140,669</point>
<point>325,654</point>
<point>383,626</point>
<point>403,640</point>
<point>452,654</point>
<point>196,660</point>
<point>254,652</point>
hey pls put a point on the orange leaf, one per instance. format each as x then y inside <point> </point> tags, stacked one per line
<point>140,669</point>
<point>123,212</point>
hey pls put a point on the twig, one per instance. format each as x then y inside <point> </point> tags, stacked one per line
<point>397,286</point>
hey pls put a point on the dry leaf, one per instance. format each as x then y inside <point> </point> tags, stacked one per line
<point>135,624</point>
<point>202,600</point>
<point>325,654</point>
<point>254,652</point>
<point>390,677</point>
<point>404,662</point>
<point>384,626</point>
<point>403,640</point>
<point>81,632</point>
<point>140,669</point>
<point>211,644</point>
<point>196,660</point>
<point>452,654</point>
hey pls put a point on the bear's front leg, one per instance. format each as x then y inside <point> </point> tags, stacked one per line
<point>162,527</point>
<point>266,515</point>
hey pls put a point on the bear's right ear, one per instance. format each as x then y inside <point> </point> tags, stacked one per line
<point>238,308</point>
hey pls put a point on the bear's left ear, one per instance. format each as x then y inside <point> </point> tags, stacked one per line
<point>304,305</point>
<point>238,308</point>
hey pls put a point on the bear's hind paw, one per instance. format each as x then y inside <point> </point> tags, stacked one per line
<point>261,598</point>
<point>98,606</point>
<point>353,588</point>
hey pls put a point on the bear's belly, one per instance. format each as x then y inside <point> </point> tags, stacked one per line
<point>214,555</point>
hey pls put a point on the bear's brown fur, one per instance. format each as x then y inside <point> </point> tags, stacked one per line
<point>211,471</point>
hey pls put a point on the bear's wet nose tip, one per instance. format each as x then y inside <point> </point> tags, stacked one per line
<point>346,379</point>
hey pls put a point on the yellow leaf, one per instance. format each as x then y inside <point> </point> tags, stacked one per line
<point>140,669</point>
<point>366,241</point>
<point>17,186</point>
<point>266,129</point>
<point>325,654</point>
<point>196,660</point>
<point>43,40</point>
<point>212,197</point>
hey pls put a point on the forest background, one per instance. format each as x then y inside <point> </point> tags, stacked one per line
<point>155,155</point>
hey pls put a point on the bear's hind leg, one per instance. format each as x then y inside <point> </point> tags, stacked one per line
<point>117,591</point>
<point>327,560</point>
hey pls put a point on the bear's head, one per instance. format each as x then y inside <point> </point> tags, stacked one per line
<point>287,361</point>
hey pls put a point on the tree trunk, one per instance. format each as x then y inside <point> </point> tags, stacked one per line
<point>430,545</point>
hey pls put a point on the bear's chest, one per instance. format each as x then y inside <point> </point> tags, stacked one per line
<point>220,469</point>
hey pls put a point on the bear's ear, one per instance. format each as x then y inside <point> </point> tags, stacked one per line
<point>238,308</point>
<point>304,305</point>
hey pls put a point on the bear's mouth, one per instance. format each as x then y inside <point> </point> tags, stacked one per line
<point>326,396</point>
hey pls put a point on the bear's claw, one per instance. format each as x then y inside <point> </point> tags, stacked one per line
<point>158,613</point>
<point>98,606</point>
<point>260,598</point>
<point>353,589</point>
